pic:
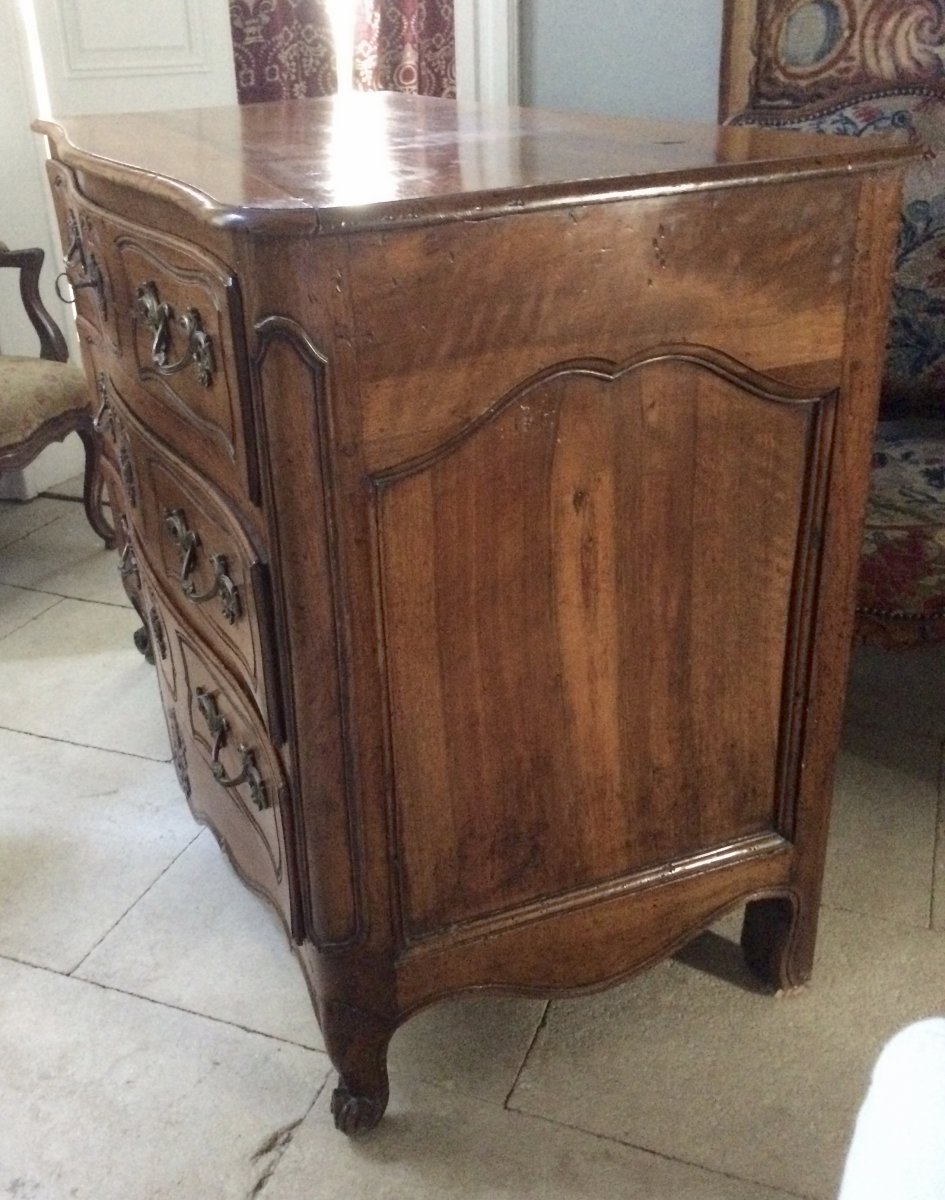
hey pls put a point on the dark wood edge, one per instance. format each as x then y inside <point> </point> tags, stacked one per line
<point>737,57</point>
<point>14,458</point>
<point>269,330</point>
<point>799,649</point>
<point>298,216</point>
<point>52,344</point>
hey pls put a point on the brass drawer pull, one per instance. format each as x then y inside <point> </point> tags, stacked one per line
<point>75,260</point>
<point>127,559</point>
<point>157,315</point>
<point>104,420</point>
<point>249,772</point>
<point>106,423</point>
<point>187,541</point>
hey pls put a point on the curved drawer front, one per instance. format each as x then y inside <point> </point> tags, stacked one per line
<point>226,765</point>
<point>170,316</point>
<point>205,564</point>
<point>178,310</point>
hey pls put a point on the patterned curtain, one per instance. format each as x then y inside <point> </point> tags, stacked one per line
<point>282,49</point>
<point>405,46</point>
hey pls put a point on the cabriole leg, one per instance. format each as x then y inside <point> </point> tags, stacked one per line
<point>778,943</point>
<point>357,1043</point>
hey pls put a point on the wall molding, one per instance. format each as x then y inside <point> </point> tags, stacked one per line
<point>84,58</point>
<point>487,51</point>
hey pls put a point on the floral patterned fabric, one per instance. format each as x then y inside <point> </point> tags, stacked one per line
<point>902,574</point>
<point>282,49</point>
<point>809,51</point>
<point>32,391</point>
<point>865,68</point>
<point>405,46</point>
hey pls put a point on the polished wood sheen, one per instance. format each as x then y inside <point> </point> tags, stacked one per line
<point>490,487</point>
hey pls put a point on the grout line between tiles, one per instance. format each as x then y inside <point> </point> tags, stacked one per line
<point>132,905</point>
<point>877,919</point>
<point>30,532</point>
<point>279,1143</point>
<point>776,1189</point>
<point>543,1021</point>
<point>60,496</point>
<point>47,737</point>
<point>938,841</point>
<point>25,587</point>
<point>29,620</point>
<point>107,987</point>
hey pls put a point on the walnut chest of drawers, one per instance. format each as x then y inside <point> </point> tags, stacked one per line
<point>490,486</point>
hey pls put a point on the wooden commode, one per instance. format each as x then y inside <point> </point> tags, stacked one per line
<point>489,484</point>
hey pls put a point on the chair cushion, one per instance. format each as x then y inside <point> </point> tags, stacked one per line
<point>901,597</point>
<point>34,390</point>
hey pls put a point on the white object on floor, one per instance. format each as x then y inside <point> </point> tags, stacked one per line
<point>898,1147</point>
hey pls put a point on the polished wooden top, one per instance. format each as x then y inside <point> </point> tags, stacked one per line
<point>379,159</point>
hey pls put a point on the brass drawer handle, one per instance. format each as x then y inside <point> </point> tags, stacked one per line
<point>249,772</point>
<point>187,541</point>
<point>76,261</point>
<point>127,559</point>
<point>157,315</point>
<point>104,420</point>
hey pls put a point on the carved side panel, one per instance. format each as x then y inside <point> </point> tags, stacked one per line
<point>292,383</point>
<point>596,601</point>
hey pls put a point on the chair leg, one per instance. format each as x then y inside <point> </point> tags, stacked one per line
<point>94,487</point>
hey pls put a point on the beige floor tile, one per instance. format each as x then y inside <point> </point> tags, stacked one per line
<point>201,940</point>
<point>66,558</point>
<point>18,606</point>
<point>83,834</point>
<point>70,487</point>
<point>882,834</point>
<point>901,692</point>
<point>474,1044</point>
<point>433,1145</point>
<point>107,1096</point>
<point>74,674</point>
<point>17,520</point>
<point>766,1088</point>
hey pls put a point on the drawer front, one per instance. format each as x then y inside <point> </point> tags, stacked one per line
<point>179,314</point>
<point>170,316</point>
<point>226,765</point>
<point>203,561</point>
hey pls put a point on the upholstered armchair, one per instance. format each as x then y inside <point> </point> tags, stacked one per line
<point>42,400</point>
<point>866,68</point>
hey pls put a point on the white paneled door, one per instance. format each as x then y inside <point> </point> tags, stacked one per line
<point>87,56</point>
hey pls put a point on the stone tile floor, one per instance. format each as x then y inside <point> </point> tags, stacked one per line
<point>156,1040</point>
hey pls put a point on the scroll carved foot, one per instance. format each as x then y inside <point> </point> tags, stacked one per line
<point>355,1114</point>
<point>777,943</point>
<point>356,1041</point>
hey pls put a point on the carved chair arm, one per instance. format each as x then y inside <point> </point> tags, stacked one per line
<point>52,344</point>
